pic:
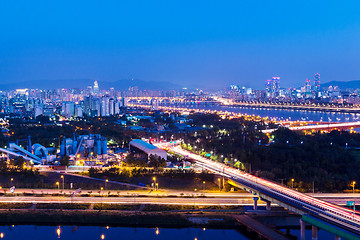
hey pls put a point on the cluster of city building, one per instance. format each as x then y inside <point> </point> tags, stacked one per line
<point>70,103</point>
<point>95,102</point>
<point>311,91</point>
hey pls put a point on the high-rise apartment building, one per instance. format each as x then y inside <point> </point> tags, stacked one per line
<point>273,87</point>
<point>317,82</point>
<point>96,87</point>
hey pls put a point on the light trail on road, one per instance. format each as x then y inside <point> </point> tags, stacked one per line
<point>290,196</point>
<point>131,200</point>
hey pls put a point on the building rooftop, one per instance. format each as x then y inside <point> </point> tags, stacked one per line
<point>142,145</point>
<point>148,148</point>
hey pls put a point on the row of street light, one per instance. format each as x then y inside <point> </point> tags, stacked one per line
<point>63,182</point>
<point>352,184</point>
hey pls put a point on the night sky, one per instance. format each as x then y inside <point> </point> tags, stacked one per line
<point>191,43</point>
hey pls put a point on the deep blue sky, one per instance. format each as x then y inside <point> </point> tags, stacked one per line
<point>186,42</point>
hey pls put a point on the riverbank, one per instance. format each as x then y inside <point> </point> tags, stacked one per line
<point>314,108</point>
<point>118,218</point>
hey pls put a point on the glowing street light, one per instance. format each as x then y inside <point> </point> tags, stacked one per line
<point>101,196</point>
<point>58,185</point>
<point>353,185</point>
<point>204,185</point>
<point>106,181</point>
<point>292,183</point>
<point>219,184</point>
<point>154,179</point>
<point>102,236</point>
<point>63,180</point>
<point>194,196</point>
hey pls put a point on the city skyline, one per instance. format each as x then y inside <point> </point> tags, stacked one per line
<point>189,120</point>
<point>189,44</point>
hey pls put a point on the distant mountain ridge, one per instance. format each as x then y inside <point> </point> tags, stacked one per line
<point>354,84</point>
<point>84,83</point>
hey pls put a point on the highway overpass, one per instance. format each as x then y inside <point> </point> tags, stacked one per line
<point>341,221</point>
<point>322,127</point>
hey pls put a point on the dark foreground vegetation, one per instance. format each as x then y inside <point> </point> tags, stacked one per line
<point>329,161</point>
<point>165,178</point>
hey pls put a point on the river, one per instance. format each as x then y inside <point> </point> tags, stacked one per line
<point>281,114</point>
<point>30,232</point>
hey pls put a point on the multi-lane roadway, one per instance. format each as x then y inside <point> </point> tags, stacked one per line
<point>335,214</point>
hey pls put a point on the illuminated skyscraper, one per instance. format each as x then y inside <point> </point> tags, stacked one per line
<point>276,85</point>
<point>273,87</point>
<point>317,82</point>
<point>308,85</point>
<point>96,87</point>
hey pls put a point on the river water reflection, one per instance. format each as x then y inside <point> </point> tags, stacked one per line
<point>281,114</point>
<point>29,232</point>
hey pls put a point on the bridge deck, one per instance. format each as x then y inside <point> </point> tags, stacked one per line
<point>259,228</point>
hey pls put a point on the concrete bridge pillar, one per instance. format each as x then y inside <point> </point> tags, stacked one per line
<point>302,229</point>
<point>268,205</point>
<point>314,233</point>
<point>256,199</point>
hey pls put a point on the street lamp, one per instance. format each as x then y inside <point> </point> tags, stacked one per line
<point>204,185</point>
<point>63,180</point>
<point>157,186</point>
<point>106,181</point>
<point>154,179</point>
<point>353,185</point>
<point>292,183</point>
<point>194,196</point>
<point>219,184</point>
<point>101,196</point>
<point>58,185</point>
<point>11,179</point>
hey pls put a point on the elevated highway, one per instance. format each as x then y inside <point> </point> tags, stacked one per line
<point>170,100</point>
<point>322,127</point>
<point>291,105</point>
<point>338,217</point>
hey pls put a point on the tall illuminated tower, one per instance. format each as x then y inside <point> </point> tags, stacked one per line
<point>273,87</point>
<point>96,87</point>
<point>308,85</point>
<point>317,82</point>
